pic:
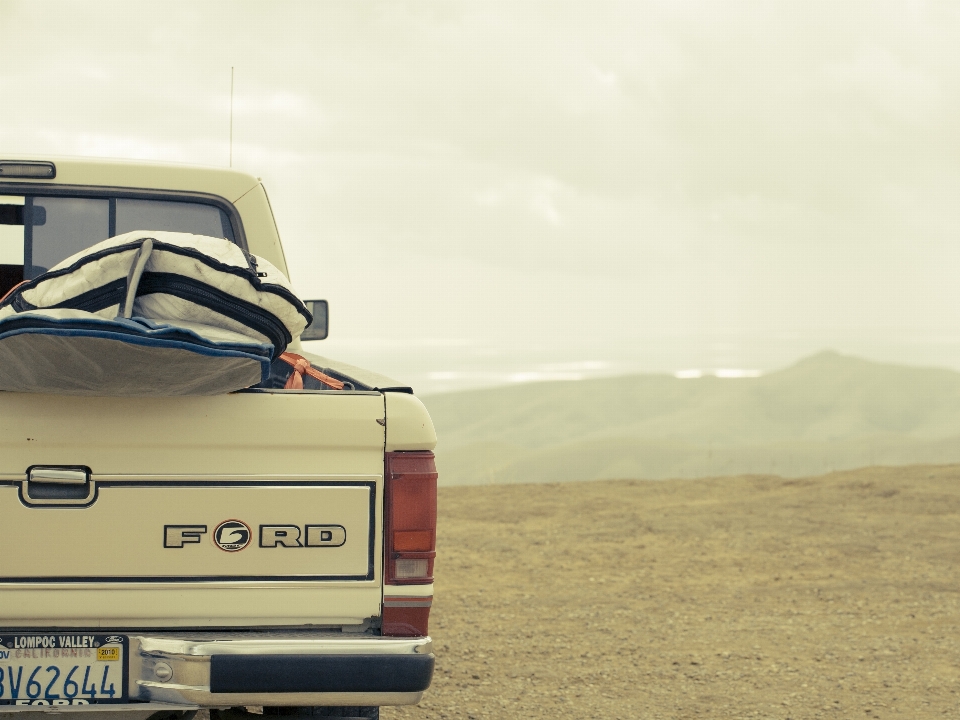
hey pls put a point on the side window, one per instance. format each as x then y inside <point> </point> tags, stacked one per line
<point>58,227</point>
<point>173,216</point>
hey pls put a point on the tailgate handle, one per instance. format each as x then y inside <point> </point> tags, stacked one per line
<point>58,487</point>
<point>60,476</point>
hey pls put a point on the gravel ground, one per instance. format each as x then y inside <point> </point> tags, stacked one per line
<point>752,597</point>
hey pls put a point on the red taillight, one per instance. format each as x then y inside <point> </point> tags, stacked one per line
<point>410,532</point>
<point>410,518</point>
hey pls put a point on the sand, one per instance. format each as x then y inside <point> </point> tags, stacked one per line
<point>749,597</point>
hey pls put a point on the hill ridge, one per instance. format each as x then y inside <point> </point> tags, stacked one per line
<point>828,411</point>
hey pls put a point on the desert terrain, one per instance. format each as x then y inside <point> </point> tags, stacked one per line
<point>742,597</point>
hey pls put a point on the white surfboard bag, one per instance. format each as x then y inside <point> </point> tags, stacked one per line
<point>149,313</point>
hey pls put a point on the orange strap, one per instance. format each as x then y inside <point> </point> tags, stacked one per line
<point>13,289</point>
<point>300,366</point>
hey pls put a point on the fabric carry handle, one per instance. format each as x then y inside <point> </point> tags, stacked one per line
<point>133,277</point>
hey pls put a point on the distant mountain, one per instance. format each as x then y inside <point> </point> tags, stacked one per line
<point>827,412</point>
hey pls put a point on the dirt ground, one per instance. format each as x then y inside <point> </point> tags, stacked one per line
<point>754,597</point>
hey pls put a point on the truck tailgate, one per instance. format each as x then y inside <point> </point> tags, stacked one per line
<point>249,509</point>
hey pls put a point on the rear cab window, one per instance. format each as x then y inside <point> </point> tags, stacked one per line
<point>39,231</point>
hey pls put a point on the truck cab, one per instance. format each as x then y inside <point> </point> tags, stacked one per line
<point>267,547</point>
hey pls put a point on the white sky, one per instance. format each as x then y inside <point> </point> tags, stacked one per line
<point>489,191</point>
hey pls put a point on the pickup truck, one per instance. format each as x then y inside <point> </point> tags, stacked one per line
<point>267,548</point>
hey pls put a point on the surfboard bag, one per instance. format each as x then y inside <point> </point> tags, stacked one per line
<point>149,313</point>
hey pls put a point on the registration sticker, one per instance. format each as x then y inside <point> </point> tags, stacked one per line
<point>61,669</point>
<point>108,653</point>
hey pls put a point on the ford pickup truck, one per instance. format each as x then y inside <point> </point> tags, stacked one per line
<point>269,549</point>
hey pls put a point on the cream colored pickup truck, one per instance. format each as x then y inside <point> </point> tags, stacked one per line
<point>269,548</point>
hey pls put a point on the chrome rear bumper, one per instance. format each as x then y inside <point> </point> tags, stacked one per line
<point>280,670</point>
<point>170,672</point>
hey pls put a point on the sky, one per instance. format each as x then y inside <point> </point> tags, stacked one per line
<point>491,192</point>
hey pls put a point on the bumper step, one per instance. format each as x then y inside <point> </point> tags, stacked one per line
<point>318,673</point>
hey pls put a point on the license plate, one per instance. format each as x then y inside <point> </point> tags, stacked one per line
<point>63,669</point>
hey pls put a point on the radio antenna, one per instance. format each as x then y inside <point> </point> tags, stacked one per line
<point>231,116</point>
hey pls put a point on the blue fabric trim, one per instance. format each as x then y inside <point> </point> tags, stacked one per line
<point>140,332</point>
